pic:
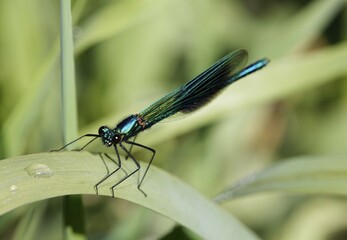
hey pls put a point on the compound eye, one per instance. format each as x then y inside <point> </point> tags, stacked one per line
<point>107,135</point>
<point>103,130</point>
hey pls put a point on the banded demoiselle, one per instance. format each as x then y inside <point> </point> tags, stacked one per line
<point>185,99</point>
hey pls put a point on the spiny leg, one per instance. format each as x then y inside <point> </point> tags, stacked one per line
<point>89,143</point>
<point>77,139</point>
<point>126,177</point>
<point>131,147</point>
<point>149,163</point>
<point>119,164</point>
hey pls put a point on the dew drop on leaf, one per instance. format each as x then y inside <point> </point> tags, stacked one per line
<point>39,171</point>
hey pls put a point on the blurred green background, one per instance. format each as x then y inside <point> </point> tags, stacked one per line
<point>129,53</point>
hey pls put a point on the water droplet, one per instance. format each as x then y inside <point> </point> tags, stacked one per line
<point>13,188</point>
<point>39,171</point>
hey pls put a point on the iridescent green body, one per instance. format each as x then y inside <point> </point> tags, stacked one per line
<point>185,99</point>
<point>192,95</point>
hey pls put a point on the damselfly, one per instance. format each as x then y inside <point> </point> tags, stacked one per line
<point>185,99</point>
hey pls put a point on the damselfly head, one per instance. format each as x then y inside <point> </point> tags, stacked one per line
<point>109,136</point>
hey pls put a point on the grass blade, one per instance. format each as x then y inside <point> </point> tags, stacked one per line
<point>31,178</point>
<point>320,175</point>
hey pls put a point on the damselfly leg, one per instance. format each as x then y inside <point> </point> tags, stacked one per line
<point>137,164</point>
<point>108,174</point>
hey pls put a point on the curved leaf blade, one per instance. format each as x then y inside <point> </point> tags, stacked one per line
<point>319,175</point>
<point>31,178</point>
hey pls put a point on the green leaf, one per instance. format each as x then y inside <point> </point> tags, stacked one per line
<point>68,73</point>
<point>321,175</point>
<point>73,208</point>
<point>35,177</point>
